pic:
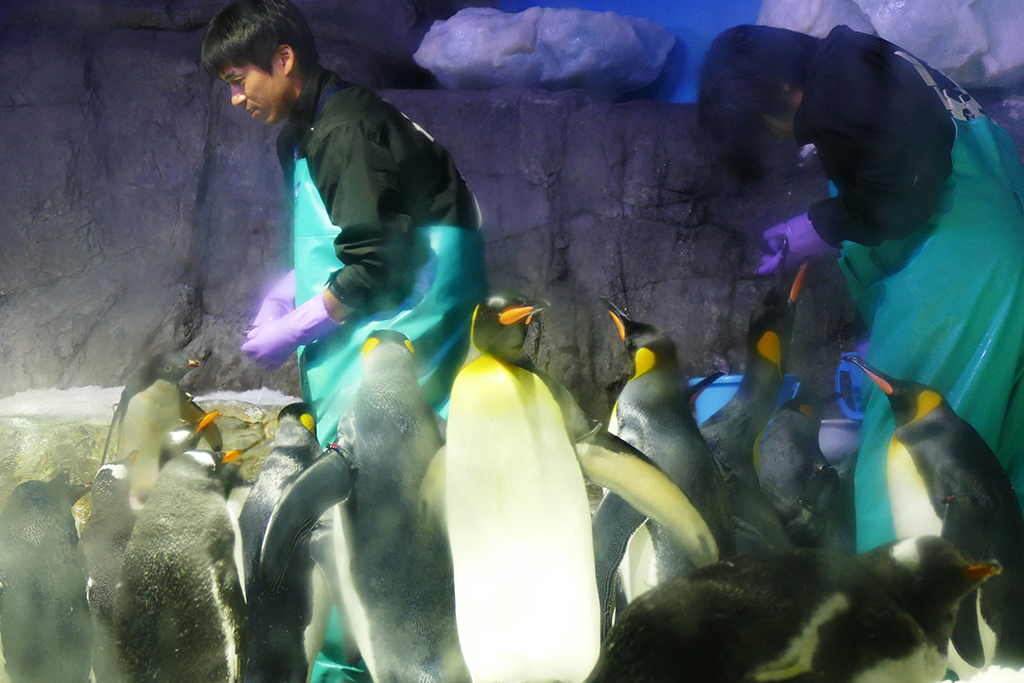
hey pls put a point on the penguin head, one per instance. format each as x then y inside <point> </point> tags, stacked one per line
<point>184,438</point>
<point>648,346</point>
<point>929,577</point>
<point>169,366</point>
<point>212,471</point>
<point>910,401</point>
<point>34,498</point>
<point>297,415</point>
<point>771,324</point>
<point>388,349</point>
<point>112,483</point>
<point>499,324</point>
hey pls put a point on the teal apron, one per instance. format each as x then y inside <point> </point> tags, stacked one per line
<point>436,316</point>
<point>945,307</point>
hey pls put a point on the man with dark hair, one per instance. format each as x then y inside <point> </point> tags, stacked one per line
<point>925,207</point>
<point>385,228</point>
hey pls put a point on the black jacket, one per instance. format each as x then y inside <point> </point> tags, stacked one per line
<point>380,176</point>
<point>883,136</point>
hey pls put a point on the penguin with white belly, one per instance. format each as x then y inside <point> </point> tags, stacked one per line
<point>151,405</point>
<point>393,555</point>
<point>285,627</point>
<point>179,609</point>
<point>517,512</point>
<point>45,628</point>
<point>945,480</point>
<point>654,414</point>
<point>803,615</point>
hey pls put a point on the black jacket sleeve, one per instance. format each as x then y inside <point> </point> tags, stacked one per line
<point>883,136</point>
<point>358,179</point>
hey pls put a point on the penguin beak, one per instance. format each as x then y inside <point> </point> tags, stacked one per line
<point>205,421</point>
<point>980,572</point>
<point>514,314</point>
<point>230,456</point>
<point>191,364</point>
<point>617,315</point>
<point>77,491</point>
<point>794,291</point>
<point>878,378</point>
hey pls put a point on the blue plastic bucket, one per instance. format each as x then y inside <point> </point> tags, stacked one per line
<point>722,389</point>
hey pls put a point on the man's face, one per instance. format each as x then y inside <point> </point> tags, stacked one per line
<point>269,96</point>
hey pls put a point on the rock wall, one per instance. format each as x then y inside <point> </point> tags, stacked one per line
<point>141,211</point>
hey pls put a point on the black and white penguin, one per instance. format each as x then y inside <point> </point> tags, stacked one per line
<point>944,479</point>
<point>179,608</point>
<point>734,429</point>
<point>104,539</point>
<point>518,517</point>
<point>396,571</point>
<point>815,507</point>
<point>285,627</point>
<point>152,404</point>
<point>807,615</point>
<point>187,437</point>
<point>654,413</point>
<point>45,628</point>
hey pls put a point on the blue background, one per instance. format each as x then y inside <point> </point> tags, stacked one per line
<point>694,22</point>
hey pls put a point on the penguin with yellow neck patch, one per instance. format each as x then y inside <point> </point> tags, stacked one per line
<point>654,414</point>
<point>518,518</point>
<point>733,430</point>
<point>945,480</point>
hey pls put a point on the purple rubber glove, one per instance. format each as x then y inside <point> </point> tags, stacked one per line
<point>803,243</point>
<point>279,301</point>
<point>269,345</point>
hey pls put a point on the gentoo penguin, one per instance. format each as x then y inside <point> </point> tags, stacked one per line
<point>396,565</point>
<point>104,539</point>
<point>179,609</point>
<point>800,615</point>
<point>518,518</point>
<point>654,414</point>
<point>733,430</point>
<point>187,437</point>
<point>151,405</point>
<point>45,628</point>
<point>944,479</point>
<point>285,627</point>
<point>799,481</point>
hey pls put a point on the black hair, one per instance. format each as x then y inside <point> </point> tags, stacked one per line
<point>250,31</point>
<point>741,82</point>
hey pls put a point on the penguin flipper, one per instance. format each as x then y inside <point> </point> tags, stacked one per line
<point>609,461</point>
<point>963,525</point>
<point>614,523</point>
<point>326,482</point>
<point>431,498</point>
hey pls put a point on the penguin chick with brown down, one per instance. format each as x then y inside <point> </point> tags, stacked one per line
<point>179,609</point>
<point>944,479</point>
<point>812,616</point>
<point>45,629</point>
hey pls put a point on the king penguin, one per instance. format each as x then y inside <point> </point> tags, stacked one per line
<point>813,504</point>
<point>104,539</point>
<point>396,564</point>
<point>517,511</point>
<point>285,627</point>
<point>733,430</point>
<point>151,405</point>
<point>799,615</point>
<point>945,480</point>
<point>45,628</point>
<point>179,608</point>
<point>654,413</point>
